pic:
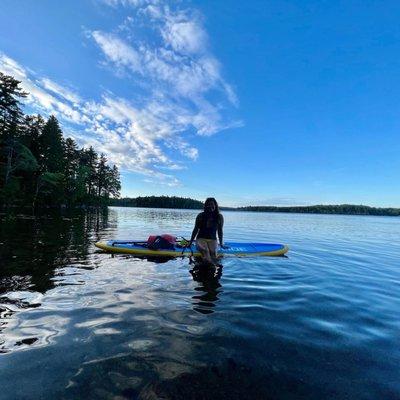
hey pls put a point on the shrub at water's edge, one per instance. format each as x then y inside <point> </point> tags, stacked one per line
<point>187,203</point>
<point>40,168</point>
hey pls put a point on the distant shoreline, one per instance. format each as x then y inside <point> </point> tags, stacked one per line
<point>339,209</point>
<point>191,204</point>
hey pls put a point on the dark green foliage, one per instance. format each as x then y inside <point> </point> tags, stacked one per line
<point>347,209</point>
<point>51,143</point>
<point>49,188</point>
<point>71,168</point>
<point>19,158</point>
<point>114,183</point>
<point>186,203</point>
<point>107,180</point>
<point>32,127</point>
<point>10,110</point>
<point>17,167</point>
<point>38,168</point>
<point>15,158</point>
<point>89,160</point>
<point>101,174</point>
<point>158,202</point>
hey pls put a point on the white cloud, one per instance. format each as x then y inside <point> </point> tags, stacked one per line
<point>11,67</point>
<point>117,51</point>
<point>186,37</point>
<point>126,3</point>
<point>173,59</point>
<point>60,90</point>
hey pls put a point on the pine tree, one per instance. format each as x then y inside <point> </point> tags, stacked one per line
<point>32,129</point>
<point>71,164</point>
<point>90,158</point>
<point>10,109</point>
<point>52,148</point>
<point>114,187</point>
<point>14,156</point>
<point>102,176</point>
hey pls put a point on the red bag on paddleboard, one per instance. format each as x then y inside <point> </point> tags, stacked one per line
<point>165,241</point>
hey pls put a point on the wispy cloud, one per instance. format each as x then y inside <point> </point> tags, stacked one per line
<point>135,3</point>
<point>60,91</point>
<point>44,94</point>
<point>174,80</point>
<point>182,91</point>
<point>173,58</point>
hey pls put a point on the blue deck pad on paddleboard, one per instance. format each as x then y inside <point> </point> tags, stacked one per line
<point>233,249</point>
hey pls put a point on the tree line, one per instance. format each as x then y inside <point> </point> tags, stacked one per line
<point>39,167</point>
<point>187,203</point>
<point>157,202</point>
<point>346,209</point>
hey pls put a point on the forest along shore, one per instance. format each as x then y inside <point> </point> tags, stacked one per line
<point>192,204</point>
<point>39,168</point>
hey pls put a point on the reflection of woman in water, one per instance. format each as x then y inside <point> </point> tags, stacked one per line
<point>208,224</point>
<point>208,288</point>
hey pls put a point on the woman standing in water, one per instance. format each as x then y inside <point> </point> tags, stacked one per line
<point>208,224</point>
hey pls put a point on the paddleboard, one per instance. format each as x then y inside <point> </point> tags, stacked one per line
<point>232,249</point>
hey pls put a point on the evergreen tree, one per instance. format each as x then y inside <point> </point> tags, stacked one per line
<point>10,109</point>
<point>108,182</point>
<point>22,160</point>
<point>32,129</point>
<point>49,186</point>
<point>51,142</point>
<point>82,177</point>
<point>114,182</point>
<point>89,160</point>
<point>102,175</point>
<point>15,158</point>
<point>71,165</point>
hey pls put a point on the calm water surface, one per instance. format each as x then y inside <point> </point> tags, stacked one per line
<point>322,323</point>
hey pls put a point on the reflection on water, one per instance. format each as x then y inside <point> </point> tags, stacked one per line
<point>150,259</point>
<point>78,323</point>
<point>31,250</point>
<point>209,287</point>
<point>33,253</point>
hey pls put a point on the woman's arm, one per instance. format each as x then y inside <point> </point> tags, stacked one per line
<point>220,232</point>
<point>196,229</point>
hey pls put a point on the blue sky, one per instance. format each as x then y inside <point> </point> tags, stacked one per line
<point>257,102</point>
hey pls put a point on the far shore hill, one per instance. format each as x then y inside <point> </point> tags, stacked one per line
<point>187,203</point>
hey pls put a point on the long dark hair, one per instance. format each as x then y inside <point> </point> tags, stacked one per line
<point>209,200</point>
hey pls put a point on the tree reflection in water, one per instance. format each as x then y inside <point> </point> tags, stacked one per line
<point>33,254</point>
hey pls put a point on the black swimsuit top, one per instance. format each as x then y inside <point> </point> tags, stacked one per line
<point>208,225</point>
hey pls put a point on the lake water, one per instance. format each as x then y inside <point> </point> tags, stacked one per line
<point>321,323</point>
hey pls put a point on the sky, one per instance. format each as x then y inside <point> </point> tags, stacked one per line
<point>291,102</point>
